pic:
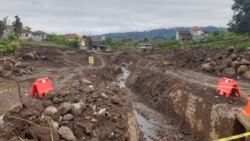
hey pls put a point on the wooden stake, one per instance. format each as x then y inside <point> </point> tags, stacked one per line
<point>19,92</point>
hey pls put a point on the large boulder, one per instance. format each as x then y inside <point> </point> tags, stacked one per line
<point>68,117</point>
<point>245,62</point>
<point>235,64</point>
<point>29,56</point>
<point>50,110</point>
<point>227,61</point>
<point>67,133</point>
<point>57,100</point>
<point>64,108</point>
<point>207,67</point>
<point>78,108</point>
<point>242,69</point>
<point>229,71</point>
<point>247,75</point>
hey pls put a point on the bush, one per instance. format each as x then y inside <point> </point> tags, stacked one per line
<point>13,46</point>
<point>3,49</point>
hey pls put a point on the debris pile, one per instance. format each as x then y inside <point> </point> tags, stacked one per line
<point>87,111</point>
<point>229,63</point>
<point>10,66</point>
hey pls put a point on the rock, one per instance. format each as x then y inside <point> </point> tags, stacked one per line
<point>218,56</point>
<point>247,75</point>
<point>16,108</point>
<point>117,70</point>
<point>68,117</point>
<point>230,49</point>
<point>29,56</point>
<point>57,100</point>
<point>207,67</point>
<point>85,81</point>
<point>64,93</point>
<point>47,103</point>
<point>101,111</point>
<point>104,96</point>
<point>43,133</point>
<point>112,135</point>
<point>21,65</point>
<point>55,124</point>
<point>11,60</point>
<point>66,133</point>
<point>244,62</point>
<point>6,74</point>
<point>227,61</point>
<point>8,66</point>
<point>64,108</point>
<point>56,116</point>
<point>90,100</point>
<point>115,100</point>
<point>233,56</point>
<point>212,63</point>
<point>78,108</point>
<point>235,64</point>
<point>50,110</point>
<point>242,69</point>
<point>44,57</point>
<point>49,96</point>
<point>89,127</point>
<point>87,89</point>
<point>229,71</point>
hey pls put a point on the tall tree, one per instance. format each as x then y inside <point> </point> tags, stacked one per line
<point>90,42</point>
<point>241,18</point>
<point>18,26</point>
<point>2,28</point>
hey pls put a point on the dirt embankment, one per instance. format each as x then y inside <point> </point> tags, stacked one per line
<point>193,108</point>
<point>220,62</point>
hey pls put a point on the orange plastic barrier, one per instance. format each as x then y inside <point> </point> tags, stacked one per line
<point>41,87</point>
<point>247,109</point>
<point>227,87</point>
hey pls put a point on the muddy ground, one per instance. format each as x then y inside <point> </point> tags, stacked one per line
<point>100,90</point>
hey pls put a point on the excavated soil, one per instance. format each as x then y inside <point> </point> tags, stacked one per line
<point>105,109</point>
<point>108,102</point>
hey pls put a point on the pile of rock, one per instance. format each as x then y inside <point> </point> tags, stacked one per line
<point>229,63</point>
<point>85,112</point>
<point>10,66</point>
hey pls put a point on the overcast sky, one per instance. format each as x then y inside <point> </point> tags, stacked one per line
<point>104,16</point>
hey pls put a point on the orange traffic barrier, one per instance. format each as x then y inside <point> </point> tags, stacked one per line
<point>227,87</point>
<point>247,109</point>
<point>41,87</point>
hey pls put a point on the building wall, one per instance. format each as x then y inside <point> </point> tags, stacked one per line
<point>177,36</point>
<point>26,36</point>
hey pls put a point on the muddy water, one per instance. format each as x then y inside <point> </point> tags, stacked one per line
<point>148,128</point>
<point>121,79</point>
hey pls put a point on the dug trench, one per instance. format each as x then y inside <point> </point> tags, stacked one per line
<point>167,103</point>
<point>195,110</point>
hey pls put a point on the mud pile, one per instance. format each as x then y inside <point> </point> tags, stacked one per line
<point>88,111</point>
